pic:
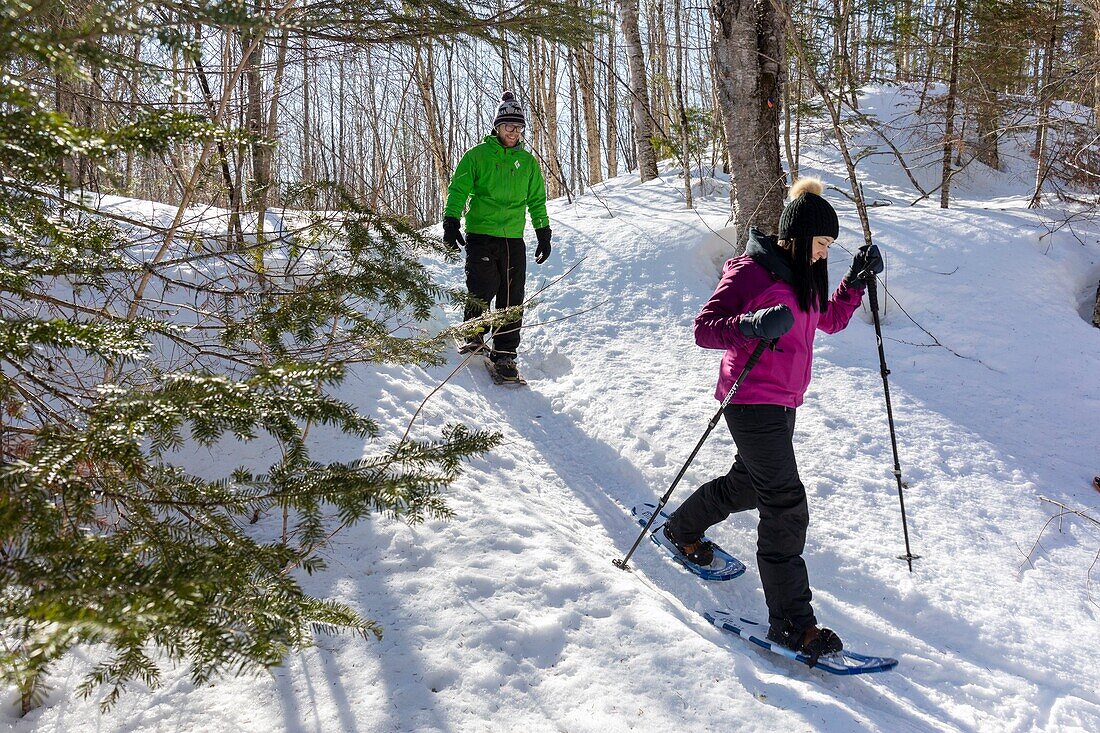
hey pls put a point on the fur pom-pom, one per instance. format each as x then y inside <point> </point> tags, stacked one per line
<point>806,185</point>
<point>507,97</point>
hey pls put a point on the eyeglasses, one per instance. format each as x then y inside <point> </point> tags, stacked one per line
<point>512,128</point>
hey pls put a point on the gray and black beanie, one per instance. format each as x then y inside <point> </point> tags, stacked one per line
<point>509,111</point>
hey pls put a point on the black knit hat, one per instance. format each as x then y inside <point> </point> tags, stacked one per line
<point>509,111</point>
<point>808,214</point>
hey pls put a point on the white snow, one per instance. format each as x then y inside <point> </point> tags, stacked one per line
<point>511,616</point>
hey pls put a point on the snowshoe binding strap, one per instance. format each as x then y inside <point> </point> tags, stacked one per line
<point>812,642</point>
<point>700,552</point>
<point>818,643</point>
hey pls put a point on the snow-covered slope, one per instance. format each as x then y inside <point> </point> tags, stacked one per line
<point>512,617</point>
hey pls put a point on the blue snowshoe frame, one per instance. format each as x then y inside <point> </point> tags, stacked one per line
<point>842,663</point>
<point>724,566</point>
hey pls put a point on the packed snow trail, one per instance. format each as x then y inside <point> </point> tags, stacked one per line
<point>511,616</point>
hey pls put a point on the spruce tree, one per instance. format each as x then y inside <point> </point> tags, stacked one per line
<point>122,341</point>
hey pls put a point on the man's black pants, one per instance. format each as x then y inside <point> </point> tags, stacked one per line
<point>764,476</point>
<point>496,268</point>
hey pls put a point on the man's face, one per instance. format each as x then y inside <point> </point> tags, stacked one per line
<point>509,134</point>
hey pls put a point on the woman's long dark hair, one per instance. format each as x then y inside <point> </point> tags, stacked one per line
<point>811,281</point>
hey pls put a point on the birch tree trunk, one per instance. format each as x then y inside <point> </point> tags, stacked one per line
<point>639,96</point>
<point>749,52</point>
<point>612,121</point>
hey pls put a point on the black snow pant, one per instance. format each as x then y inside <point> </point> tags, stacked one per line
<point>496,268</point>
<point>764,477</point>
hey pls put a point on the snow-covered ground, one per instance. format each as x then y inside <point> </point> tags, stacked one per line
<point>511,616</point>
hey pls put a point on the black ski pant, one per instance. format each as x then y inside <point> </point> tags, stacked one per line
<point>496,268</point>
<point>764,476</point>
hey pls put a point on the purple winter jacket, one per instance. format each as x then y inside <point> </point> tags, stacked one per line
<point>760,279</point>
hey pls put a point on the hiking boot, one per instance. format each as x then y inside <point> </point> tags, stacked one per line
<point>473,344</point>
<point>813,642</point>
<point>700,552</point>
<point>505,367</point>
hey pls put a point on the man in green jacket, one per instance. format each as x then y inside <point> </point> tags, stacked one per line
<point>499,179</point>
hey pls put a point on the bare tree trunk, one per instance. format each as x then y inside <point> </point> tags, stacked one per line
<point>270,129</point>
<point>792,161</point>
<point>586,77</point>
<point>987,120</point>
<point>254,115</point>
<point>845,75</point>
<point>307,142</point>
<point>548,93</point>
<point>643,131</point>
<point>612,121</point>
<point>907,34</point>
<point>1096,55</point>
<point>1041,164</point>
<point>685,130</point>
<point>576,181</point>
<point>661,92</point>
<point>424,75</point>
<point>749,51</point>
<point>232,192</point>
<point>949,114</point>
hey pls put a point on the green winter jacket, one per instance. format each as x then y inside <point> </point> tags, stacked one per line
<point>498,182</point>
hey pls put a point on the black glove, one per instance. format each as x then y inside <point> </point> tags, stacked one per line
<point>768,323</point>
<point>451,234</point>
<point>543,250</point>
<point>865,265</point>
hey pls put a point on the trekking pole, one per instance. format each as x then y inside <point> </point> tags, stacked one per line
<point>872,292</point>
<point>621,564</point>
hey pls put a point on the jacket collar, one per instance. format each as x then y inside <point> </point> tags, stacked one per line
<point>765,251</point>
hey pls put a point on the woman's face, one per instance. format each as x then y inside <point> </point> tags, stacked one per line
<point>509,134</point>
<point>821,249</point>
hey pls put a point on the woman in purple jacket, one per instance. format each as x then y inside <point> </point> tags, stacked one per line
<point>777,290</point>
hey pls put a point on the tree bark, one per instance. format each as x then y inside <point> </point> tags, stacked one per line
<point>254,115</point>
<point>685,129</point>
<point>424,75</point>
<point>549,94</point>
<point>749,51</point>
<point>792,161</point>
<point>1041,166</point>
<point>612,121</point>
<point>639,95</point>
<point>1096,77</point>
<point>949,114</point>
<point>987,120</point>
<point>584,58</point>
